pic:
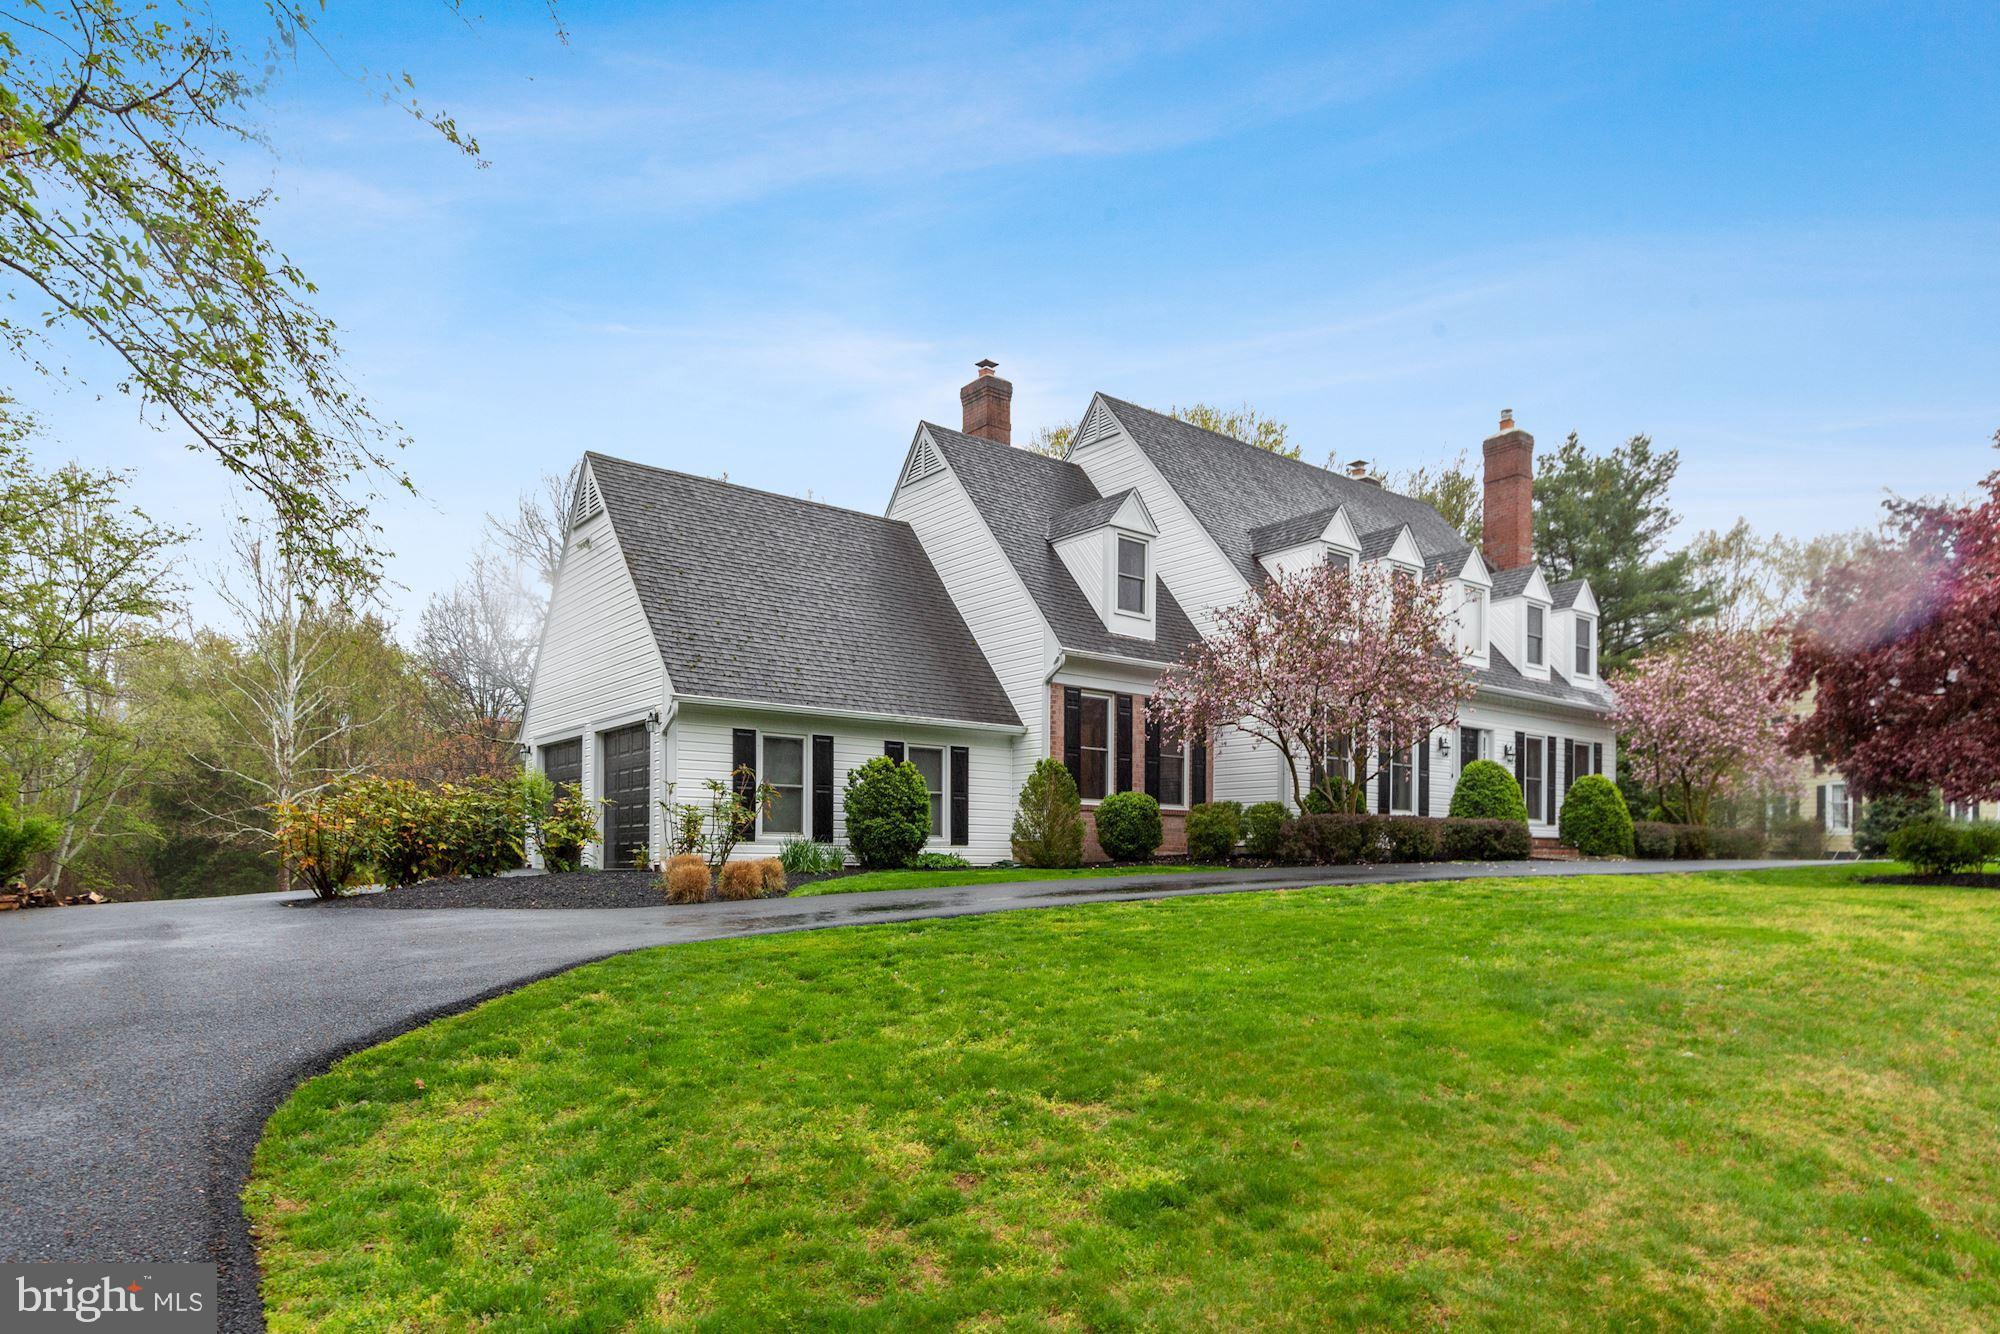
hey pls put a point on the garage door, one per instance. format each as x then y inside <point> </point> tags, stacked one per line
<point>562,761</point>
<point>627,787</point>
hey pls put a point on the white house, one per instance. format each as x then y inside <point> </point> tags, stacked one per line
<point>1010,607</point>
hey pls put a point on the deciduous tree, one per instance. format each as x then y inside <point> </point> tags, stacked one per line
<point>1701,718</point>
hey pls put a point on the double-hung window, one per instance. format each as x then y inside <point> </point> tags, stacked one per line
<point>1536,655</point>
<point>1471,745</point>
<point>930,763</point>
<point>1474,623</point>
<point>1402,779</point>
<point>1132,576</point>
<point>1531,776</point>
<point>785,771</point>
<point>1094,747</point>
<point>1173,771</point>
<point>1586,646</point>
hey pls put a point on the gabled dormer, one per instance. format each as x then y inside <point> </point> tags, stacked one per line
<point>1107,546</point>
<point>1393,547</point>
<point>1306,540</point>
<point>1576,620</point>
<point>1523,619</point>
<point>1468,600</point>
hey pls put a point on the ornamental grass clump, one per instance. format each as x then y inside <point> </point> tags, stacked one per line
<point>687,878</point>
<point>740,880</point>
<point>773,871</point>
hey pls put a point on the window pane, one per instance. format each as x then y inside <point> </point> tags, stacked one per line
<point>1131,557</point>
<point>1173,774</point>
<point>1091,786</point>
<point>1131,575</point>
<point>1468,746</point>
<point>930,763</point>
<point>784,761</point>
<point>788,812</point>
<point>1096,724</point>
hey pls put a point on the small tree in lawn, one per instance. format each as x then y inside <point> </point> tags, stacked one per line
<point>1899,650</point>
<point>1321,663</point>
<point>1700,720</point>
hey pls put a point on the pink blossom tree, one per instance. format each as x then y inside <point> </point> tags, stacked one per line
<point>1703,719</point>
<point>1323,664</point>
<point>1899,650</point>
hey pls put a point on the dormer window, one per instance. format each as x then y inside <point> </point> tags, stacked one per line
<point>1132,576</point>
<point>1586,646</point>
<point>1537,655</point>
<point>1475,621</point>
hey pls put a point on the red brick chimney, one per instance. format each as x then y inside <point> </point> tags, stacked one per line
<point>989,405</point>
<point>1510,496</point>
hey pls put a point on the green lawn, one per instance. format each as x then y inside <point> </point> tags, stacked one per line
<point>1728,1099</point>
<point>854,884</point>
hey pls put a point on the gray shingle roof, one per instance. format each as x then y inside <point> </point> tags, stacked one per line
<point>1511,583</point>
<point>1298,529</point>
<point>764,597</point>
<point>1377,544</point>
<point>1018,492</point>
<point>1558,689</point>
<point>1565,592</point>
<point>1090,514</point>
<point>1446,564</point>
<point>1235,489</point>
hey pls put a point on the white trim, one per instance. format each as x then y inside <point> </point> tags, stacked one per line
<point>862,715</point>
<point>764,833</point>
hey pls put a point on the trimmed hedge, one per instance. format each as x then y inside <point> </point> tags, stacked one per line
<point>1128,826</point>
<point>1594,819</point>
<point>1486,791</point>
<point>1413,838</point>
<point>1486,840</point>
<point>1691,842</point>
<point>1736,844</point>
<point>1652,839</point>
<point>1799,838</point>
<point>1264,827</point>
<point>1212,830</point>
<point>1331,840</point>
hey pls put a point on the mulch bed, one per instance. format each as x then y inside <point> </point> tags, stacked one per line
<point>1963,880</point>
<point>576,889</point>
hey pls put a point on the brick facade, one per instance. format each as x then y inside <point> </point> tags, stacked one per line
<point>1173,823</point>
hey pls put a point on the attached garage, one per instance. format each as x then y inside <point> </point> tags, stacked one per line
<point>627,791</point>
<point>562,761</point>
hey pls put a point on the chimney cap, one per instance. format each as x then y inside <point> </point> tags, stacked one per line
<point>1358,468</point>
<point>1506,419</point>
<point>987,365</point>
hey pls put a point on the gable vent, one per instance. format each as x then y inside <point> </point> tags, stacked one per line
<point>588,504</point>
<point>1099,425</point>
<point>924,461</point>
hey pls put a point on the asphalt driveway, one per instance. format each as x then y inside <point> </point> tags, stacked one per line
<point>143,1045</point>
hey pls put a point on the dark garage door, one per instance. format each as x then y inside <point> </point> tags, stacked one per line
<point>627,785</point>
<point>562,761</point>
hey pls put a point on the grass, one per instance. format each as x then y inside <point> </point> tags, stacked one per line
<point>987,875</point>
<point>1733,1100</point>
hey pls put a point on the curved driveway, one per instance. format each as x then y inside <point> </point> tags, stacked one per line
<point>143,1045</point>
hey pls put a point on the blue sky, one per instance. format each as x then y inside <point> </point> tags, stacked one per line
<point>767,239</point>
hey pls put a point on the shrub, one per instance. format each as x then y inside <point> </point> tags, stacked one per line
<point>1412,838</point>
<point>23,835</point>
<point>1983,841</point>
<point>688,879</point>
<point>888,813</point>
<point>1594,819</point>
<point>1799,838</point>
<point>480,827</point>
<point>1048,822</point>
<point>1263,826</point>
<point>939,861</point>
<point>1128,826</point>
<point>1736,844</point>
<point>1332,840</point>
<point>1486,840</point>
<point>740,880</point>
<point>321,840</point>
<point>772,872</point>
<point>1691,842</point>
<point>1884,815</point>
<point>1486,791</point>
<point>1934,847</point>
<point>560,822</point>
<point>1332,795</point>
<point>1212,830</point>
<point>1652,839</point>
<point>802,856</point>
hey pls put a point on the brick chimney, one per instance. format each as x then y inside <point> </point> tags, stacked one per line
<point>1510,496</point>
<point>989,405</point>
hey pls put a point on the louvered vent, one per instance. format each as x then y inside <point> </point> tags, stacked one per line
<point>924,461</point>
<point>588,503</point>
<point>1099,425</point>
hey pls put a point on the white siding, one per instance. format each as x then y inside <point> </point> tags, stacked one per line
<point>1002,617</point>
<point>599,667</point>
<point>703,744</point>
<point>1504,717</point>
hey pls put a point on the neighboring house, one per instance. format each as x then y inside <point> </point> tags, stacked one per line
<point>1011,607</point>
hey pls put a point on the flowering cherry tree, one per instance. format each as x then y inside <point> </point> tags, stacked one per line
<point>1321,663</point>
<point>1900,652</point>
<point>1703,719</point>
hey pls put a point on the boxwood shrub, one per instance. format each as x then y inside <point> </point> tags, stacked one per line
<point>1486,840</point>
<point>1594,819</point>
<point>1128,826</point>
<point>888,813</point>
<point>1884,815</point>
<point>1212,830</point>
<point>1413,838</point>
<point>1486,791</point>
<point>1263,827</point>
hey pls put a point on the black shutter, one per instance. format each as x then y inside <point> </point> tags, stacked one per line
<point>1821,790</point>
<point>1072,756</point>
<point>822,789</point>
<point>1152,756</point>
<point>1198,762</point>
<point>1424,777</point>
<point>894,750</point>
<point>1122,767</point>
<point>1521,761</point>
<point>743,771</point>
<point>1386,759</point>
<point>961,796</point>
<point>1597,757</point>
<point>1550,786</point>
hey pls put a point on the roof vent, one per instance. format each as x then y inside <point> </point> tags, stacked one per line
<point>588,503</point>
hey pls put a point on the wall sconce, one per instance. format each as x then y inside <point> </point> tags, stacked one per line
<point>653,721</point>
<point>523,749</point>
<point>1506,752</point>
<point>1444,743</point>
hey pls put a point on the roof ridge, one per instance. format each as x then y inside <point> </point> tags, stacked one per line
<point>739,486</point>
